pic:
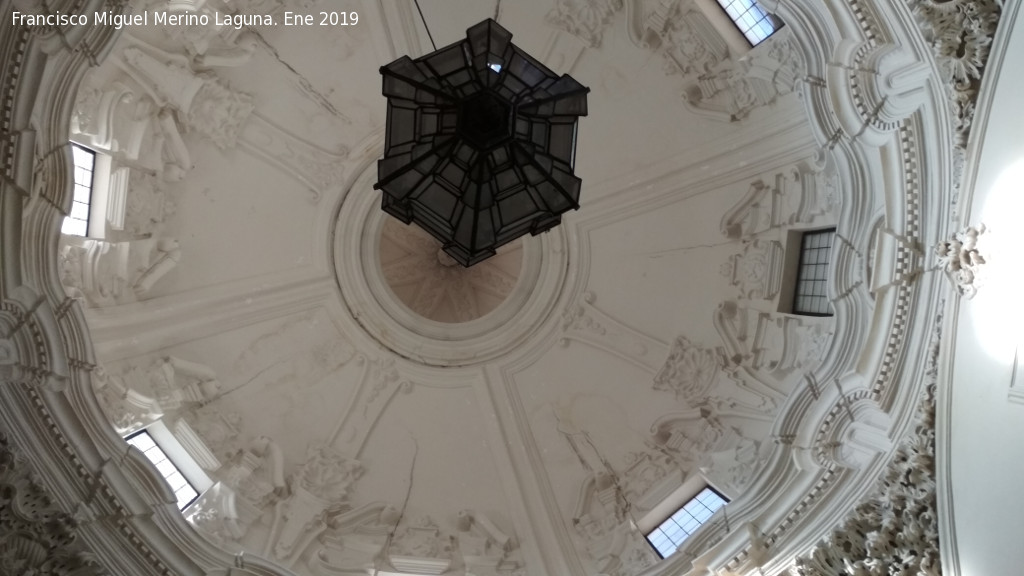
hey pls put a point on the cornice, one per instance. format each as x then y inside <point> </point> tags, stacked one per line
<point>127,517</point>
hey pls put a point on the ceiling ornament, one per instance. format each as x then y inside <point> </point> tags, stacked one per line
<point>428,281</point>
<point>365,266</point>
<point>586,19</point>
<point>481,143</point>
<point>962,261</point>
<point>895,530</point>
<point>36,536</point>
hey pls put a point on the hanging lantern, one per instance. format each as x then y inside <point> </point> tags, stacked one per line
<point>480,143</point>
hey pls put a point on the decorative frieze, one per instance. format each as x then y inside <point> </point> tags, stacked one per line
<point>896,529</point>
<point>960,33</point>
<point>36,537</point>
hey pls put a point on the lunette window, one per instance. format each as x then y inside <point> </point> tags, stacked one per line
<point>755,24</point>
<point>810,297</point>
<point>671,533</point>
<point>77,222</point>
<point>185,492</point>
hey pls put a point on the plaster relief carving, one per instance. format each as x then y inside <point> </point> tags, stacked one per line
<point>805,193</point>
<point>753,214</point>
<point>736,87</point>
<point>586,19</point>
<point>323,483</point>
<point>109,273</point>
<point>178,384</point>
<point>715,444</point>
<point>202,102</point>
<point>584,322</point>
<point>251,481</point>
<point>139,393</point>
<point>354,540</point>
<point>36,536</point>
<point>219,430</point>
<point>705,377</point>
<point>214,516</point>
<point>960,33</point>
<point>609,537</point>
<point>126,409</point>
<point>690,371</point>
<point>896,528</point>
<point>649,476</point>
<point>256,473</point>
<point>421,548</point>
<point>772,347</point>
<point>757,271</point>
<point>111,118</point>
<point>147,204</point>
<point>685,38</point>
<point>26,345</point>
<point>485,549</point>
<point>962,258</point>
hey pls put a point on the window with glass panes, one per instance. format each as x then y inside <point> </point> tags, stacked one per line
<point>755,24</point>
<point>184,491</point>
<point>809,297</point>
<point>671,533</point>
<point>77,222</point>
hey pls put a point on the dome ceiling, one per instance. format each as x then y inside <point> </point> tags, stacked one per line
<point>359,402</point>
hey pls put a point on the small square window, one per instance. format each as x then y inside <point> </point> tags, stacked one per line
<point>755,24</point>
<point>183,490</point>
<point>810,297</point>
<point>670,534</point>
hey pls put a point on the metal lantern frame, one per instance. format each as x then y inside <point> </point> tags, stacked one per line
<point>480,143</point>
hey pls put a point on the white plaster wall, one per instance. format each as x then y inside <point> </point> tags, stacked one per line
<point>984,452</point>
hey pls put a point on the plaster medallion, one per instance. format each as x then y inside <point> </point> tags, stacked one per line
<point>400,289</point>
<point>433,285</point>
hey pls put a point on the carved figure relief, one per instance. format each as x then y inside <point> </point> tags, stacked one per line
<point>607,532</point>
<point>109,273</point>
<point>963,260</point>
<point>714,444</point>
<point>689,42</point>
<point>202,102</point>
<point>586,19</point>
<point>322,484</point>
<point>36,537</point>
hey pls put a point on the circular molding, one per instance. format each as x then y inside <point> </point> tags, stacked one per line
<point>373,304</point>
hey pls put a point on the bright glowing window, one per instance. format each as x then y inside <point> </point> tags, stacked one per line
<point>671,533</point>
<point>77,223</point>
<point>751,19</point>
<point>185,492</point>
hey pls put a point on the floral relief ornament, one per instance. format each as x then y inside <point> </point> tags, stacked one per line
<point>962,259</point>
